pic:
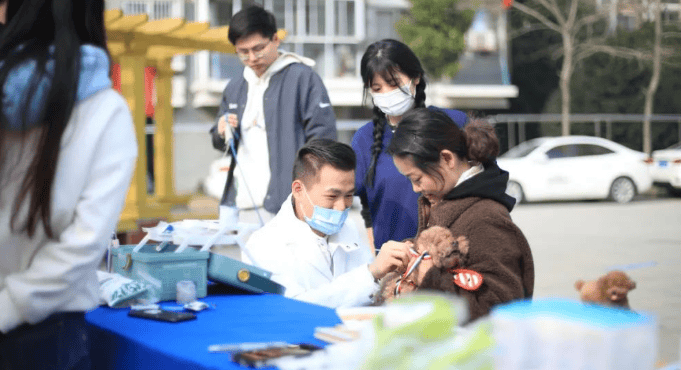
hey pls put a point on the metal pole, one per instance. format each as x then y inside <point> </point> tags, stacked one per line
<point>608,129</point>
<point>511,135</point>
<point>597,128</point>
<point>521,131</point>
<point>679,131</point>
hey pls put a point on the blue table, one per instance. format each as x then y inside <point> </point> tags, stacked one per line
<point>123,342</point>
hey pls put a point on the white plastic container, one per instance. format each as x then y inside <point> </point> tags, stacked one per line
<point>569,335</point>
<point>229,216</point>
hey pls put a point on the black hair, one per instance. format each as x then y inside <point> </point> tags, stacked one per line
<point>319,152</point>
<point>384,58</point>
<point>423,134</point>
<point>32,29</point>
<point>253,19</point>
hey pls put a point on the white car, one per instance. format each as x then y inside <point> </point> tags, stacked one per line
<point>666,168</point>
<point>575,167</point>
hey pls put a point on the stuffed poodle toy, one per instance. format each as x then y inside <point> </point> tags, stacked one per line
<point>610,289</point>
<point>436,262</point>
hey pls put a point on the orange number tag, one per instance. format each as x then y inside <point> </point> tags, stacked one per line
<point>467,279</point>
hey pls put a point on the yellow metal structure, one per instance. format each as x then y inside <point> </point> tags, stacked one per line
<point>135,42</point>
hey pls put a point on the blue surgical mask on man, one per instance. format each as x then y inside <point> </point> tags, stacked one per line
<point>325,220</point>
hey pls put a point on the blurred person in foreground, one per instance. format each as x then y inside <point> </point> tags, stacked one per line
<point>310,246</point>
<point>3,14</point>
<point>270,110</point>
<point>462,189</point>
<point>67,154</point>
<point>394,77</point>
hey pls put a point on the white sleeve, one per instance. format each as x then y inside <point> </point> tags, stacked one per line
<point>354,288</point>
<point>63,266</point>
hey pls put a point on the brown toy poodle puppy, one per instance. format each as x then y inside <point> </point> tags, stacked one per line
<point>443,254</point>
<point>610,289</point>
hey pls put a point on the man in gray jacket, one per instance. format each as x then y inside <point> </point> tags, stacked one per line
<point>267,114</point>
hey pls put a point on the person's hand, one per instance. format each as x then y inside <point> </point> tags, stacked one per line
<point>227,119</point>
<point>222,126</point>
<point>232,120</point>
<point>392,256</point>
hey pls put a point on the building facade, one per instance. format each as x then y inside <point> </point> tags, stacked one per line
<point>334,33</point>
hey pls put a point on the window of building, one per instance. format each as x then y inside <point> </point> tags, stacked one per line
<point>385,25</point>
<point>220,13</point>
<point>279,11</point>
<point>381,23</point>
<point>344,55</point>
<point>331,45</point>
<point>670,15</point>
<point>345,17</point>
<point>316,53</point>
<point>158,9</point>
<point>626,22</point>
<point>315,12</point>
<point>222,66</point>
<point>284,13</point>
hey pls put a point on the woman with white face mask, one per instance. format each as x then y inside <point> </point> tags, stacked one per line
<point>394,79</point>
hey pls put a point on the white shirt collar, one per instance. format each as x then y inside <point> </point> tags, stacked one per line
<point>474,170</point>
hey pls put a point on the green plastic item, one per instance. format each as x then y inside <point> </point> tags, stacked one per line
<point>431,340</point>
<point>241,275</point>
<point>161,271</point>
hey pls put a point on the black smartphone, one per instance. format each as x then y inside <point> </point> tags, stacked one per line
<point>162,315</point>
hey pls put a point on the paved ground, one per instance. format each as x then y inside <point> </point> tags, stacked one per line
<point>584,240</point>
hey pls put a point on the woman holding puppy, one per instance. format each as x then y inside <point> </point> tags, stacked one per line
<point>462,189</point>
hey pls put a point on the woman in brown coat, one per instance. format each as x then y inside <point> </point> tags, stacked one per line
<point>463,190</point>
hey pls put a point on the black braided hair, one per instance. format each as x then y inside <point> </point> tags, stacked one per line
<point>386,57</point>
<point>377,146</point>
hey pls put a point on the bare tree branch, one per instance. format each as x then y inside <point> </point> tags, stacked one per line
<point>572,14</point>
<point>527,29</point>
<point>587,50</point>
<point>654,79</point>
<point>671,64</point>
<point>552,6</point>
<point>671,34</point>
<point>571,50</point>
<point>589,19</point>
<point>538,16</point>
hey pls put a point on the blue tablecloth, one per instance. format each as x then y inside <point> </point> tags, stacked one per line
<point>123,342</point>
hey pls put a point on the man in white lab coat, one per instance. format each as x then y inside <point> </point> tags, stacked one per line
<point>310,246</point>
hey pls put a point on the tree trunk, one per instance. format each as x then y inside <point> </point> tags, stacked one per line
<point>654,80</point>
<point>565,76</point>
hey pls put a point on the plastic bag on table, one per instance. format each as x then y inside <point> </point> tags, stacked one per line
<point>118,291</point>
